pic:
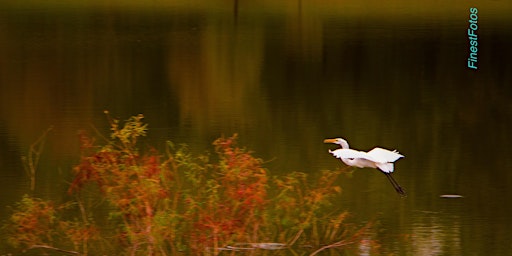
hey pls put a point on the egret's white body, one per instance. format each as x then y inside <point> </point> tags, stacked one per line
<point>378,158</point>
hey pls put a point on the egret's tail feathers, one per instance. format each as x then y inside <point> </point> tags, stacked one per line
<point>395,184</point>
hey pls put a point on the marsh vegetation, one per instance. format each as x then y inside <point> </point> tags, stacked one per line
<point>128,197</point>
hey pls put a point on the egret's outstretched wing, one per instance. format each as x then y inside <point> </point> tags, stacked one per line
<point>350,153</point>
<point>384,156</point>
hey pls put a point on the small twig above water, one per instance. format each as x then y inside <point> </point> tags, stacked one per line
<point>31,162</point>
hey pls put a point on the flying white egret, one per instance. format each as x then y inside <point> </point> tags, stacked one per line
<point>378,158</point>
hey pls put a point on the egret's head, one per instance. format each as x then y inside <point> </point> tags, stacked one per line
<point>338,141</point>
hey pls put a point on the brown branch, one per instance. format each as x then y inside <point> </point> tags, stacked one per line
<point>334,245</point>
<point>345,242</point>
<point>32,160</point>
<point>37,246</point>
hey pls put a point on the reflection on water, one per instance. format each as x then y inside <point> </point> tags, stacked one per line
<point>435,234</point>
<point>284,77</point>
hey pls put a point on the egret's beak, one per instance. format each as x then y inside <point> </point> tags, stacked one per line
<point>330,141</point>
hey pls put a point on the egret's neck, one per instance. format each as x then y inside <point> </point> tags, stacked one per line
<point>344,144</point>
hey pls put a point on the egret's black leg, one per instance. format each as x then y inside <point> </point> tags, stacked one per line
<point>395,184</point>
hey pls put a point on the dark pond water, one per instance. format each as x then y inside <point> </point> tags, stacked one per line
<point>284,77</point>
